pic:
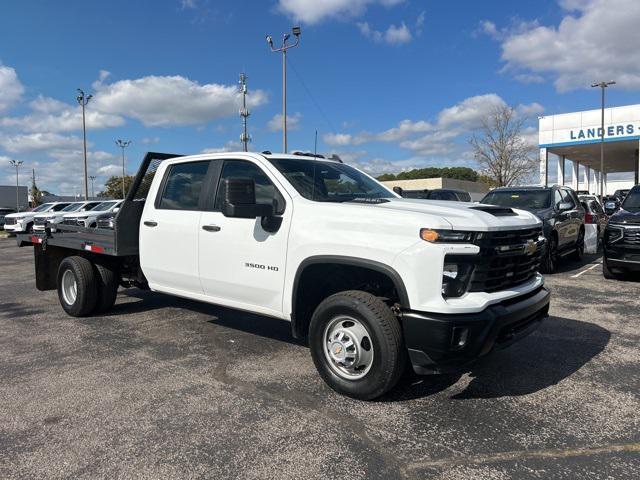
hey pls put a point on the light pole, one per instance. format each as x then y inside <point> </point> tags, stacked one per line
<point>83,100</point>
<point>602,86</point>
<point>16,163</point>
<point>92,178</point>
<point>283,48</point>
<point>244,113</point>
<point>123,144</point>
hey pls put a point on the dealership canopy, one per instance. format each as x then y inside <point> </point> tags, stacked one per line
<point>577,137</point>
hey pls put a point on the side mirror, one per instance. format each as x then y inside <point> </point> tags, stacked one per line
<point>398,190</point>
<point>239,196</point>
<point>564,206</point>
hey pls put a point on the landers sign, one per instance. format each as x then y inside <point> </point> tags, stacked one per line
<point>624,130</point>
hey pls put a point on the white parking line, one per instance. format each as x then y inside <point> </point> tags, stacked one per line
<point>586,270</point>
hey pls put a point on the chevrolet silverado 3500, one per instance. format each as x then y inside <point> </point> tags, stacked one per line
<point>372,280</point>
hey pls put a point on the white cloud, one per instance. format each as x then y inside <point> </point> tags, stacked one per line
<point>11,89</point>
<point>392,36</point>
<point>314,11</point>
<point>230,146</point>
<point>470,111</point>
<point>445,138</point>
<point>171,100</point>
<point>51,115</point>
<point>595,40</point>
<point>37,141</point>
<point>149,140</point>
<point>293,122</point>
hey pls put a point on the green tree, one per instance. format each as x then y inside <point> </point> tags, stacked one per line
<point>36,194</point>
<point>459,173</point>
<point>113,186</point>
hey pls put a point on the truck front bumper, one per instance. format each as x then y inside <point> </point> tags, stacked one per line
<point>440,343</point>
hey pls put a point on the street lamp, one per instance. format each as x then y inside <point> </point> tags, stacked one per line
<point>92,178</point>
<point>602,86</point>
<point>16,163</point>
<point>283,48</point>
<point>123,144</point>
<point>83,100</point>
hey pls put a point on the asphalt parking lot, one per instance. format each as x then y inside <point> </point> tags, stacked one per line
<point>168,388</point>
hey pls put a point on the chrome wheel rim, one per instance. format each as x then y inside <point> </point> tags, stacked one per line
<point>348,348</point>
<point>69,287</point>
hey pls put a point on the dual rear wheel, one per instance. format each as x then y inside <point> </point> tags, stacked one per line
<point>85,287</point>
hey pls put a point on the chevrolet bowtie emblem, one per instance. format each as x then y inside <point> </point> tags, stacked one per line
<point>530,247</point>
<point>337,350</point>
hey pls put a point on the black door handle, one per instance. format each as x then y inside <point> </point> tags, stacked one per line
<point>211,228</point>
<point>150,223</point>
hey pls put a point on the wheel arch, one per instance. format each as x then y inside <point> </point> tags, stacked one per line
<point>300,320</point>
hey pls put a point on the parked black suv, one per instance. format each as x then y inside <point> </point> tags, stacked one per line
<point>561,213</point>
<point>622,238</point>
<point>450,194</point>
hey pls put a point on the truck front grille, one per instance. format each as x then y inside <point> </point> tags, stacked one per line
<point>631,237</point>
<point>506,259</point>
<point>40,221</point>
<point>10,221</point>
<point>70,221</point>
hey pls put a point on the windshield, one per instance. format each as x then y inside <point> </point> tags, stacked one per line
<point>632,202</point>
<point>103,206</point>
<point>329,182</point>
<point>72,207</point>
<point>525,199</point>
<point>41,208</point>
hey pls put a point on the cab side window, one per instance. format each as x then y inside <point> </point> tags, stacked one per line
<point>266,191</point>
<point>568,198</point>
<point>182,186</point>
<point>557,198</point>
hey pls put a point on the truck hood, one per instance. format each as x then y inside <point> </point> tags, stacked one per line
<point>464,215</point>
<point>51,214</point>
<point>21,214</point>
<point>625,217</point>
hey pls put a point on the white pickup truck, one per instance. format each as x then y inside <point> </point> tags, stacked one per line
<point>372,280</point>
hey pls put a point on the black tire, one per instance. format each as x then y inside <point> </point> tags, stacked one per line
<point>385,336</point>
<point>29,228</point>
<point>578,253</point>
<point>550,259</point>
<point>607,272</point>
<point>107,281</point>
<point>86,286</point>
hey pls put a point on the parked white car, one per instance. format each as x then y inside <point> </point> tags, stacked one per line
<point>88,219</point>
<point>53,218</point>
<point>22,222</point>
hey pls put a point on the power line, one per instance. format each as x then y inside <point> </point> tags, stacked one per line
<point>317,105</point>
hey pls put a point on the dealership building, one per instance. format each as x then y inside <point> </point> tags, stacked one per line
<point>570,149</point>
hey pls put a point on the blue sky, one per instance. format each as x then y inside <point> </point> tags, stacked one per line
<point>388,84</point>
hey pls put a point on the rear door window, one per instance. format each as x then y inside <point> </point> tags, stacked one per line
<point>183,185</point>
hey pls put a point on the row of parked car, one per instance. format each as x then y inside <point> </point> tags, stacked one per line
<point>87,214</point>
<point>573,222</point>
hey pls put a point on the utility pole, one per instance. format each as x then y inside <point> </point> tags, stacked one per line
<point>123,144</point>
<point>602,86</point>
<point>92,178</point>
<point>244,113</point>
<point>283,48</point>
<point>16,163</point>
<point>83,100</point>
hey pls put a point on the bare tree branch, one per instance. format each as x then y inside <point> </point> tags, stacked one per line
<point>500,148</point>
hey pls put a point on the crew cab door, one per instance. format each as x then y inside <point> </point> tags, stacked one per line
<point>241,264</point>
<point>169,229</point>
<point>573,218</point>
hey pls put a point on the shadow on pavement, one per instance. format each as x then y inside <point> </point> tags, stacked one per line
<point>268,327</point>
<point>556,351</point>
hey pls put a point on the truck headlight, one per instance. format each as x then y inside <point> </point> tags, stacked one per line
<point>445,236</point>
<point>455,279</point>
<point>613,233</point>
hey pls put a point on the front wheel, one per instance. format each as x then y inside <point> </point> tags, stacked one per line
<point>550,259</point>
<point>579,251</point>
<point>356,344</point>
<point>607,272</point>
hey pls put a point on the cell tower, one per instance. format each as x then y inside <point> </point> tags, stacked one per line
<point>245,138</point>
